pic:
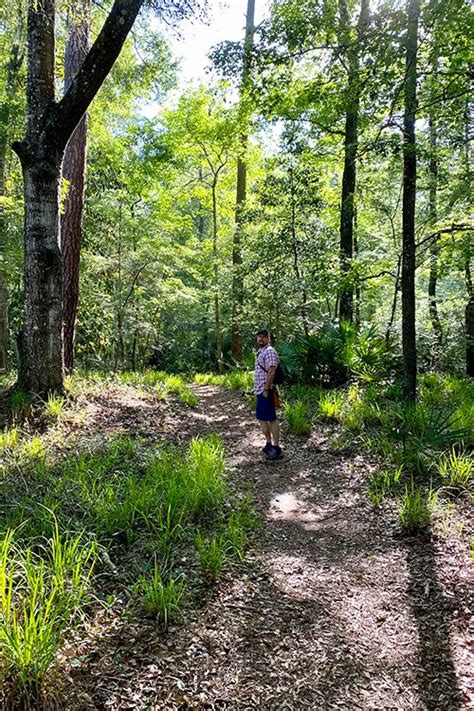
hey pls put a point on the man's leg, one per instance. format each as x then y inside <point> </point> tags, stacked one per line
<point>267,431</point>
<point>275,432</point>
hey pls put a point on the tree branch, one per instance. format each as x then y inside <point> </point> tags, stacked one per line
<point>67,113</point>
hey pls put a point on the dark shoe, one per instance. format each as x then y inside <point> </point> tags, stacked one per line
<point>267,447</point>
<point>274,453</point>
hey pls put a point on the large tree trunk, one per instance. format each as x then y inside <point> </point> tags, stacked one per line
<point>346,229</point>
<point>434,251</point>
<point>49,127</point>
<point>41,365</point>
<point>409,202</point>
<point>237,276</point>
<point>73,171</point>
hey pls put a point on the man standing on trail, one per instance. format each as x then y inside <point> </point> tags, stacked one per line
<point>266,363</point>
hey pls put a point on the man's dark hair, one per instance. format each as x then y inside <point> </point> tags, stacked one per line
<point>263,332</point>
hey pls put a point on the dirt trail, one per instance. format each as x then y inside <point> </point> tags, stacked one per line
<point>335,609</point>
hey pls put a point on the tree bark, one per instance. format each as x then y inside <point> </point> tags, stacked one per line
<point>50,125</point>
<point>73,171</point>
<point>409,202</point>
<point>237,276</point>
<point>346,229</point>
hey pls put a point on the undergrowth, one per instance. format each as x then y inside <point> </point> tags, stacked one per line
<point>130,511</point>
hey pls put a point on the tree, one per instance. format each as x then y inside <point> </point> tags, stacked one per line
<point>13,64</point>
<point>237,278</point>
<point>351,49</point>
<point>408,210</point>
<point>50,124</point>
<point>73,173</point>
<point>205,135</point>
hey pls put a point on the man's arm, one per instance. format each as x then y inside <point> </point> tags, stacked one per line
<point>270,376</point>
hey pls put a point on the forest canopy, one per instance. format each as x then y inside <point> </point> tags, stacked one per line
<point>309,111</point>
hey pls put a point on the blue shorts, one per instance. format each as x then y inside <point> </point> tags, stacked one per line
<point>265,408</point>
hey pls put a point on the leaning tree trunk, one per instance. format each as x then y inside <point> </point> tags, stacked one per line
<point>346,228</point>
<point>50,125</point>
<point>237,276</point>
<point>73,171</point>
<point>409,202</point>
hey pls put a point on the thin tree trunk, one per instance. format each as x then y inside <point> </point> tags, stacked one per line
<point>409,202</point>
<point>357,289</point>
<point>237,276</point>
<point>205,318</point>
<point>469,317</point>
<point>296,262</point>
<point>12,68</point>
<point>396,289</point>
<point>346,229</point>
<point>469,312</point>
<point>217,308</point>
<point>434,251</point>
<point>73,171</point>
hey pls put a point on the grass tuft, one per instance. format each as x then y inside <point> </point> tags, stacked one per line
<point>161,599</point>
<point>380,483</point>
<point>41,592</point>
<point>457,470</point>
<point>415,509</point>
<point>297,415</point>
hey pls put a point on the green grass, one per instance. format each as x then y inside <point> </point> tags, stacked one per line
<point>212,553</point>
<point>9,439</point>
<point>131,509</point>
<point>159,598</point>
<point>53,407</point>
<point>161,383</point>
<point>298,416</point>
<point>381,483</point>
<point>233,379</point>
<point>41,592</point>
<point>456,470</point>
<point>416,508</point>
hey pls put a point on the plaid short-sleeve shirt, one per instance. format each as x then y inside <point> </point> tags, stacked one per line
<point>266,357</point>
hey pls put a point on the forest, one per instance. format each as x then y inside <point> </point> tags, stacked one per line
<point>314,179</point>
